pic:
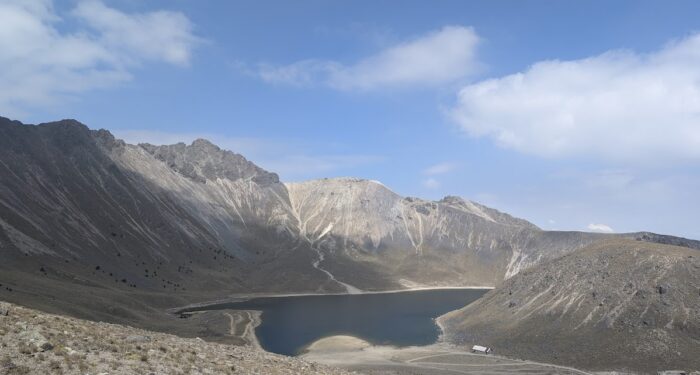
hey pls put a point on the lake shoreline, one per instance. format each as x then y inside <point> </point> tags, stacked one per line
<point>201,306</point>
<point>424,305</point>
<point>353,354</point>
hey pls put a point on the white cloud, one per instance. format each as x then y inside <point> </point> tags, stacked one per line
<point>619,106</point>
<point>610,179</point>
<point>438,57</point>
<point>41,64</point>
<point>440,168</point>
<point>602,228</point>
<point>431,183</point>
<point>158,36</point>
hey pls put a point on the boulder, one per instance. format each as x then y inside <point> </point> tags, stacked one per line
<point>4,309</point>
<point>137,338</point>
<point>33,338</point>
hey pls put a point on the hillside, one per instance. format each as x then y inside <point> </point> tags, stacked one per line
<point>101,229</point>
<point>37,343</point>
<point>617,304</point>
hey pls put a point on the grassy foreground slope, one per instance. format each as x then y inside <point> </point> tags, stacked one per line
<point>617,304</point>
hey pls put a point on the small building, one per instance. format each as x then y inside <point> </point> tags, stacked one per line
<point>480,349</point>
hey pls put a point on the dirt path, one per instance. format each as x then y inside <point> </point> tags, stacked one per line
<point>317,265</point>
<point>420,360</point>
<point>436,359</point>
<point>242,324</point>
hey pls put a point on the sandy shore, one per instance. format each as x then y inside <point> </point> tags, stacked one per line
<point>355,354</point>
<point>242,323</point>
<point>340,343</point>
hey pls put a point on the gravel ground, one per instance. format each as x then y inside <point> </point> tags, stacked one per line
<point>32,342</point>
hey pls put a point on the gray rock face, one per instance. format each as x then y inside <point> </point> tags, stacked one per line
<point>33,339</point>
<point>82,207</point>
<point>137,339</point>
<point>202,161</point>
<point>629,304</point>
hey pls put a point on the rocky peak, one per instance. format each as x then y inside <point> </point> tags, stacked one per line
<point>202,160</point>
<point>106,139</point>
<point>205,145</point>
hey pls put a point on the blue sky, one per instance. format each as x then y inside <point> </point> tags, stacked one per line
<point>574,115</point>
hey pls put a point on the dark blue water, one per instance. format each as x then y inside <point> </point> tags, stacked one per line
<point>402,319</point>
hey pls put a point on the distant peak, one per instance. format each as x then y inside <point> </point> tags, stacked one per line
<point>350,180</point>
<point>452,199</point>
<point>204,143</point>
<point>203,160</point>
<point>106,139</point>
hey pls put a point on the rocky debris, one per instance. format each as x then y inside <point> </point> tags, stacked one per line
<point>630,305</point>
<point>32,339</point>
<point>84,347</point>
<point>137,338</point>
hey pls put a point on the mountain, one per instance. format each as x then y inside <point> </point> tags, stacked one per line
<point>98,228</point>
<point>616,304</point>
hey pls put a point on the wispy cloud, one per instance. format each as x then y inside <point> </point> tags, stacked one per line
<point>602,228</point>
<point>431,183</point>
<point>438,57</point>
<point>44,64</point>
<point>440,168</point>
<point>620,105</point>
<point>159,36</point>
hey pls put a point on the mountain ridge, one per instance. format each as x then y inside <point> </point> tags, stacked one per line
<point>97,228</point>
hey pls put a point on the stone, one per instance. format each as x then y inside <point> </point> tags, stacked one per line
<point>137,338</point>
<point>32,337</point>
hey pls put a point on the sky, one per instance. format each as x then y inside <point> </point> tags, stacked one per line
<point>575,115</point>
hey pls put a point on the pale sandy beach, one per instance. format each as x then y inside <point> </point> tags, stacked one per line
<point>355,354</point>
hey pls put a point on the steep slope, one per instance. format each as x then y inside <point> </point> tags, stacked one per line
<point>99,228</point>
<point>105,230</point>
<point>620,304</point>
<point>449,242</point>
<point>354,222</point>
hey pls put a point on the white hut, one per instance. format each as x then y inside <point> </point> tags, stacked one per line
<point>480,349</point>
